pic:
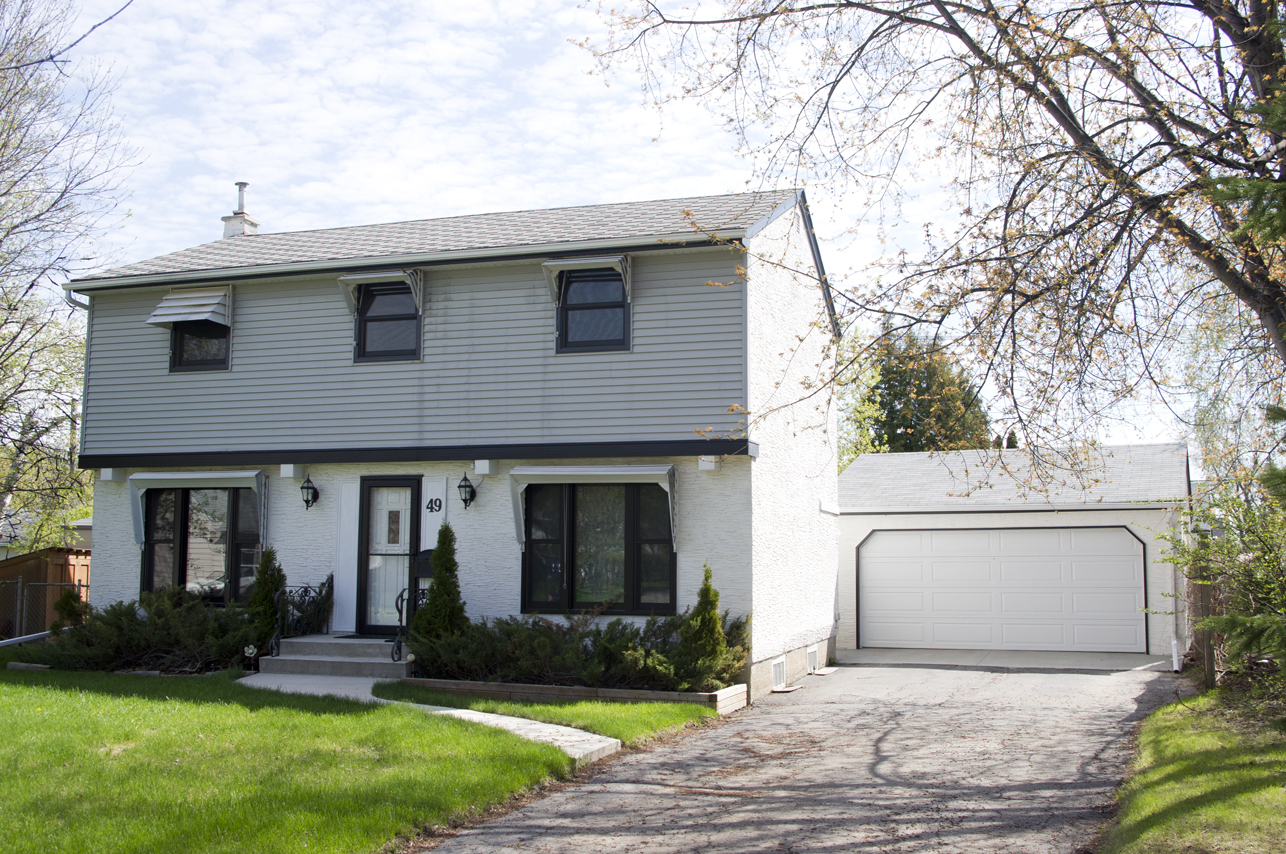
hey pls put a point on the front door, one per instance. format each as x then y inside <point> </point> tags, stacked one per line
<point>388,540</point>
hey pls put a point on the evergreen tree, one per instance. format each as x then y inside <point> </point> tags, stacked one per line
<point>926,403</point>
<point>443,614</point>
<point>262,604</point>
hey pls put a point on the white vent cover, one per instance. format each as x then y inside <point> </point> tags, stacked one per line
<point>812,658</point>
<point>779,673</point>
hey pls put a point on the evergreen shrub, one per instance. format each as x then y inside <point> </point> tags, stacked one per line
<point>168,630</point>
<point>442,615</point>
<point>262,604</point>
<point>697,650</point>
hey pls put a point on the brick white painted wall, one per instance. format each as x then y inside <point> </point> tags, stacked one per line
<point>794,540</point>
<point>1148,525</point>
<point>713,525</point>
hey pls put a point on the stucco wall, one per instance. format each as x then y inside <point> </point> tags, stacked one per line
<point>1146,524</point>
<point>795,473</point>
<point>713,525</point>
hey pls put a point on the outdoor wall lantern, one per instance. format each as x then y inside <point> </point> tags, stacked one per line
<point>309,492</point>
<point>467,491</point>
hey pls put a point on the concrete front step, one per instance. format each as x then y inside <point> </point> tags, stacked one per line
<point>332,647</point>
<point>324,665</point>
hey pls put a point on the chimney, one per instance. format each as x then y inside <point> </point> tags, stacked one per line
<point>240,222</point>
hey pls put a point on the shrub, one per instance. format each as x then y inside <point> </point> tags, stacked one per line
<point>70,609</point>
<point>262,604</point>
<point>691,651</point>
<point>443,614</point>
<point>169,630</point>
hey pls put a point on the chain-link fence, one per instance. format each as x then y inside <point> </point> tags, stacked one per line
<point>27,608</point>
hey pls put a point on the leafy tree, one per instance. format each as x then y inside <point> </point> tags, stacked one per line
<point>1119,171</point>
<point>925,402</point>
<point>443,614</point>
<point>857,402</point>
<point>60,160</point>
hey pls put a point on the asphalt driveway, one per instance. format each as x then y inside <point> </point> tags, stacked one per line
<point>878,759</point>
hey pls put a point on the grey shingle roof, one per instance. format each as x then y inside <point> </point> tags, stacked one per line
<point>623,221</point>
<point>964,480</point>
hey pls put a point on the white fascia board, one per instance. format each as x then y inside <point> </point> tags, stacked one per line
<point>392,261</point>
<point>1008,508</point>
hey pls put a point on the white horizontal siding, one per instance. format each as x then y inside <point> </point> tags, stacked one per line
<point>489,373</point>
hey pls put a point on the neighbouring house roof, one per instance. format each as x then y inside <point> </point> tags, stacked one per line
<point>492,234</point>
<point>969,481</point>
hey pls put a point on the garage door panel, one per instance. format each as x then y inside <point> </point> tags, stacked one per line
<point>1032,572</point>
<point>1033,635</point>
<point>955,601</point>
<point>1015,604</point>
<point>896,633</point>
<point>894,543</point>
<point>1102,541</point>
<point>1106,635</point>
<point>1033,541</point>
<point>882,573</point>
<point>885,601</point>
<point>960,542</point>
<point>954,572</point>
<point>1040,588</point>
<point>963,634</point>
<point>1105,604</point>
<point>1108,573</point>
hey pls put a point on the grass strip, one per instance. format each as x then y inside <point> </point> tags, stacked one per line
<point>107,763</point>
<point>1202,784</point>
<point>632,723</point>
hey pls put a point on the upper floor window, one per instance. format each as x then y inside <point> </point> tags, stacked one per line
<point>388,323</point>
<point>594,313</point>
<point>199,345</point>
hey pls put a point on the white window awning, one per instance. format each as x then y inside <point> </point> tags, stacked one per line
<point>620,263</point>
<point>520,477</point>
<point>142,481</point>
<point>349,284</point>
<point>213,304</point>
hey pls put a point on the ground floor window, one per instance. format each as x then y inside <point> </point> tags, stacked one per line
<point>206,540</point>
<point>590,545</point>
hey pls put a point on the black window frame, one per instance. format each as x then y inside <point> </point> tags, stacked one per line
<point>360,321</point>
<point>633,540</point>
<point>236,541</point>
<point>568,277</point>
<point>179,328</point>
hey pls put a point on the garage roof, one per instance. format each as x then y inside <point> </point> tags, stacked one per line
<point>971,481</point>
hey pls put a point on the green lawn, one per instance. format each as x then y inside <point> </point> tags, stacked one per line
<point>632,723</point>
<point>93,762</point>
<point>1201,784</point>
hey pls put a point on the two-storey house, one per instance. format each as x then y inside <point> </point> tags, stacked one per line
<point>598,399</point>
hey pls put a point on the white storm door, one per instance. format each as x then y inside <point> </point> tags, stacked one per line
<point>389,543</point>
<point>1072,589</point>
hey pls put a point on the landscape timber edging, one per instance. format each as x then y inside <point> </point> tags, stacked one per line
<point>721,702</point>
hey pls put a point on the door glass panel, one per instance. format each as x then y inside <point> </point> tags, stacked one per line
<point>654,513</point>
<point>544,505</point>
<point>207,542</point>
<point>545,573</point>
<point>600,544</point>
<point>654,574</point>
<point>388,567</point>
<point>162,565</point>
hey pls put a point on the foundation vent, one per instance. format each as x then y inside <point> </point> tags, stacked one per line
<point>812,658</point>
<point>779,673</point>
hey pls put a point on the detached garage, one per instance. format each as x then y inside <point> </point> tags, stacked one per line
<point>954,551</point>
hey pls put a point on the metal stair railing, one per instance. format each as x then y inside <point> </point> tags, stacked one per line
<point>302,609</point>
<point>407,604</point>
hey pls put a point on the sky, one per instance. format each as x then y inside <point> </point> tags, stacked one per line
<point>343,113</point>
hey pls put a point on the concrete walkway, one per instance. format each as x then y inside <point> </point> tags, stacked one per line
<point>867,759</point>
<point>581,746</point>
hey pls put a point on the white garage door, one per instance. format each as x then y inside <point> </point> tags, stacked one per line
<point>1007,588</point>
